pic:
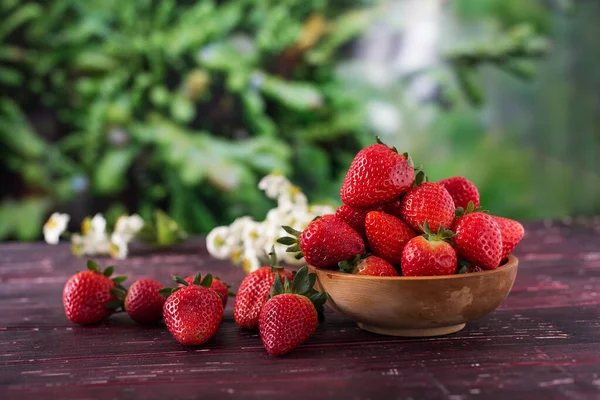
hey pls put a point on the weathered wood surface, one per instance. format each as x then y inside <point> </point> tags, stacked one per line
<point>543,342</point>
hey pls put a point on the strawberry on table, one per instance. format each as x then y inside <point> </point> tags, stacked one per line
<point>378,174</point>
<point>192,313</point>
<point>217,285</point>
<point>428,201</point>
<point>478,238</point>
<point>462,191</point>
<point>324,242</point>
<point>290,316</point>
<point>254,293</point>
<point>387,235</point>
<point>429,254</point>
<point>512,233</point>
<point>370,265</point>
<point>88,297</point>
<point>143,302</point>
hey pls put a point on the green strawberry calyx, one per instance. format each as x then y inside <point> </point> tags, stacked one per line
<point>348,266</point>
<point>291,241</point>
<point>462,266</point>
<point>441,234</point>
<point>302,285</point>
<point>206,281</point>
<point>459,212</point>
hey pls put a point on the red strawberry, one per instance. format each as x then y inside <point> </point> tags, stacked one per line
<point>462,191</point>
<point>429,202</point>
<point>87,296</point>
<point>374,266</point>
<point>429,255</point>
<point>512,233</point>
<point>290,316</point>
<point>144,303</point>
<point>478,239</point>
<point>325,242</point>
<point>192,313</point>
<point>387,235</point>
<point>254,293</point>
<point>217,285</point>
<point>355,217</point>
<point>378,174</point>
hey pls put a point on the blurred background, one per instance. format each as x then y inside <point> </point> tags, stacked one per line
<point>125,106</point>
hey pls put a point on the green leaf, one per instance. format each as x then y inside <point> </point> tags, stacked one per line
<point>469,83</point>
<point>166,292</point>
<point>93,266</point>
<point>119,279</point>
<point>114,304</point>
<point>207,280</point>
<point>119,294</point>
<point>301,281</point>
<point>197,277</point>
<point>179,280</point>
<point>291,231</point>
<point>287,285</point>
<point>288,241</point>
<point>111,172</point>
<point>109,271</point>
<point>277,287</point>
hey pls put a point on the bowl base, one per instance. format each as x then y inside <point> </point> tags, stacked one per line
<point>408,332</point>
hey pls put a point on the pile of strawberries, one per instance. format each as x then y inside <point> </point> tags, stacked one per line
<point>395,222</point>
<point>283,305</point>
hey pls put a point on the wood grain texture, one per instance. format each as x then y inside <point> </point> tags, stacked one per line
<point>542,342</point>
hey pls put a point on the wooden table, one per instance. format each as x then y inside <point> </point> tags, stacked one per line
<point>543,342</point>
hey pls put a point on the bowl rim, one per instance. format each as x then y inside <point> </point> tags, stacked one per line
<point>511,263</point>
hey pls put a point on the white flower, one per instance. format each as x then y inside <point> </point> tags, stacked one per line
<point>318,210</point>
<point>118,246</point>
<point>94,227</point>
<point>55,226</point>
<point>89,245</point>
<point>274,185</point>
<point>129,226</point>
<point>216,243</point>
<point>250,261</point>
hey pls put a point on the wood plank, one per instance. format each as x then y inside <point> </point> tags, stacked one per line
<point>543,342</point>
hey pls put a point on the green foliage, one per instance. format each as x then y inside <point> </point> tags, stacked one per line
<point>156,103</point>
<point>119,107</point>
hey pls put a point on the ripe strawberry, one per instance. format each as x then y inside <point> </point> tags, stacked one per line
<point>429,254</point>
<point>143,302</point>
<point>429,202</point>
<point>370,265</point>
<point>355,217</point>
<point>462,191</point>
<point>87,295</point>
<point>387,235</point>
<point>512,233</point>
<point>290,316</point>
<point>478,239</point>
<point>217,285</point>
<point>378,174</point>
<point>192,313</point>
<point>254,293</point>
<point>324,242</point>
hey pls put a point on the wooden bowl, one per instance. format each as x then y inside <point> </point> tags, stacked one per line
<point>417,306</point>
